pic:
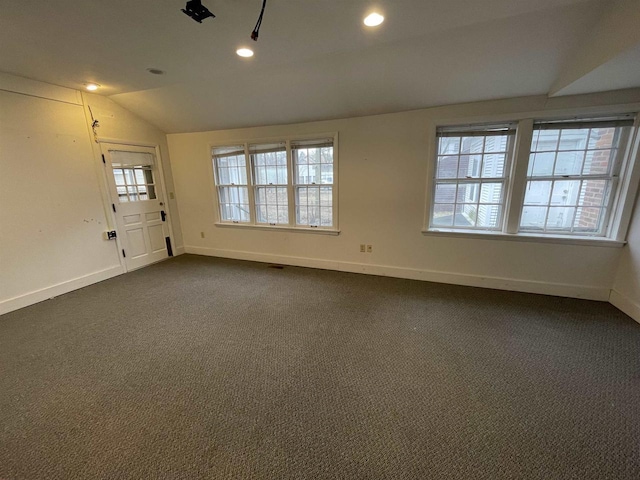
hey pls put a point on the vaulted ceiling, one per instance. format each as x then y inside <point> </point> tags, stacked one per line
<point>315,59</point>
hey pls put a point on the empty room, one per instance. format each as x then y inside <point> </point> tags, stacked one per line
<point>329,239</point>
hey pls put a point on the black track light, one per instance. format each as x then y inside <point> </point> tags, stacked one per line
<point>197,11</point>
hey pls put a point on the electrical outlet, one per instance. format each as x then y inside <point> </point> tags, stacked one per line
<point>201,234</point>
<point>363,248</point>
<point>369,248</point>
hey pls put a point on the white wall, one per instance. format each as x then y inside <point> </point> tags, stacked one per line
<point>52,214</point>
<point>382,195</point>
<point>626,289</point>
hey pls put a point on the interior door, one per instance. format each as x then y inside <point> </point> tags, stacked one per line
<point>135,185</point>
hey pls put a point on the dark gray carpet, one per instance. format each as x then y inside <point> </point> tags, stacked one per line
<point>208,368</point>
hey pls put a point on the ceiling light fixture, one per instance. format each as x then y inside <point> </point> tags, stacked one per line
<point>155,71</point>
<point>373,19</point>
<point>245,52</point>
<point>92,87</point>
<point>197,11</point>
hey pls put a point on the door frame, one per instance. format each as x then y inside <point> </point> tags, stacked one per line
<point>102,142</point>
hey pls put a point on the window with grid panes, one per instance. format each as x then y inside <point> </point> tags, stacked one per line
<point>230,166</point>
<point>277,183</point>
<point>472,168</point>
<point>313,182</point>
<point>133,174</point>
<point>270,180</point>
<point>572,176</point>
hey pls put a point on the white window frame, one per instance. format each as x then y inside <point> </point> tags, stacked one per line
<point>476,130</point>
<point>219,186</point>
<point>292,226</point>
<point>296,185</point>
<point>261,148</point>
<point>622,200</point>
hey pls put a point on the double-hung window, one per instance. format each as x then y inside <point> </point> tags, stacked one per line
<point>572,176</point>
<point>288,183</point>
<point>314,172</point>
<point>270,180</point>
<point>231,182</point>
<point>472,169</point>
<point>565,181</point>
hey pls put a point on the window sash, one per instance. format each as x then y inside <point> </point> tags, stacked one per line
<point>598,213</point>
<point>472,212</point>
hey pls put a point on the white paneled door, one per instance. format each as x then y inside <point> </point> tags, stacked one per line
<point>135,187</point>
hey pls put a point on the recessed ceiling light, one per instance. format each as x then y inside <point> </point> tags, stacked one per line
<point>245,52</point>
<point>373,19</point>
<point>155,71</point>
<point>92,86</point>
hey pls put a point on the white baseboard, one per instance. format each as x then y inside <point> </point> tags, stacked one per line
<point>517,285</point>
<point>178,251</point>
<point>625,304</point>
<point>30,298</point>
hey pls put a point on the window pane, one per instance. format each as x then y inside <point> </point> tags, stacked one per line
<point>573,139</point>
<point>122,194</point>
<point>493,165</point>
<point>467,193</point>
<point>496,143</point>
<point>118,176</point>
<point>533,218</point>
<point>234,203</point>
<point>597,162</point>
<point>472,144</point>
<point>491,193</point>
<point>593,193</point>
<point>588,219</point>
<point>469,166</point>
<point>326,155</point>
<point>300,156</point>
<point>560,218</point>
<point>448,145</point>
<point>272,175</point>
<point>133,194</point>
<point>488,216</point>
<point>569,163</point>
<point>443,215</point>
<point>445,193</point>
<point>601,138</point>
<point>223,176</point>
<point>545,140</point>
<point>282,175</point>
<point>465,216</point>
<point>302,215</point>
<point>272,205</point>
<point>326,196</point>
<point>326,173</point>
<point>542,164</point>
<point>447,167</point>
<point>326,216</point>
<point>565,192</point>
<point>537,192</point>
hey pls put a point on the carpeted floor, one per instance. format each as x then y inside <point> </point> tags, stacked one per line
<point>209,368</point>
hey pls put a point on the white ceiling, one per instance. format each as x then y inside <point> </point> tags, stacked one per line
<point>314,59</point>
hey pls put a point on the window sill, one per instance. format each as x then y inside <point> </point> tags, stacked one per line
<point>526,237</point>
<point>319,231</point>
